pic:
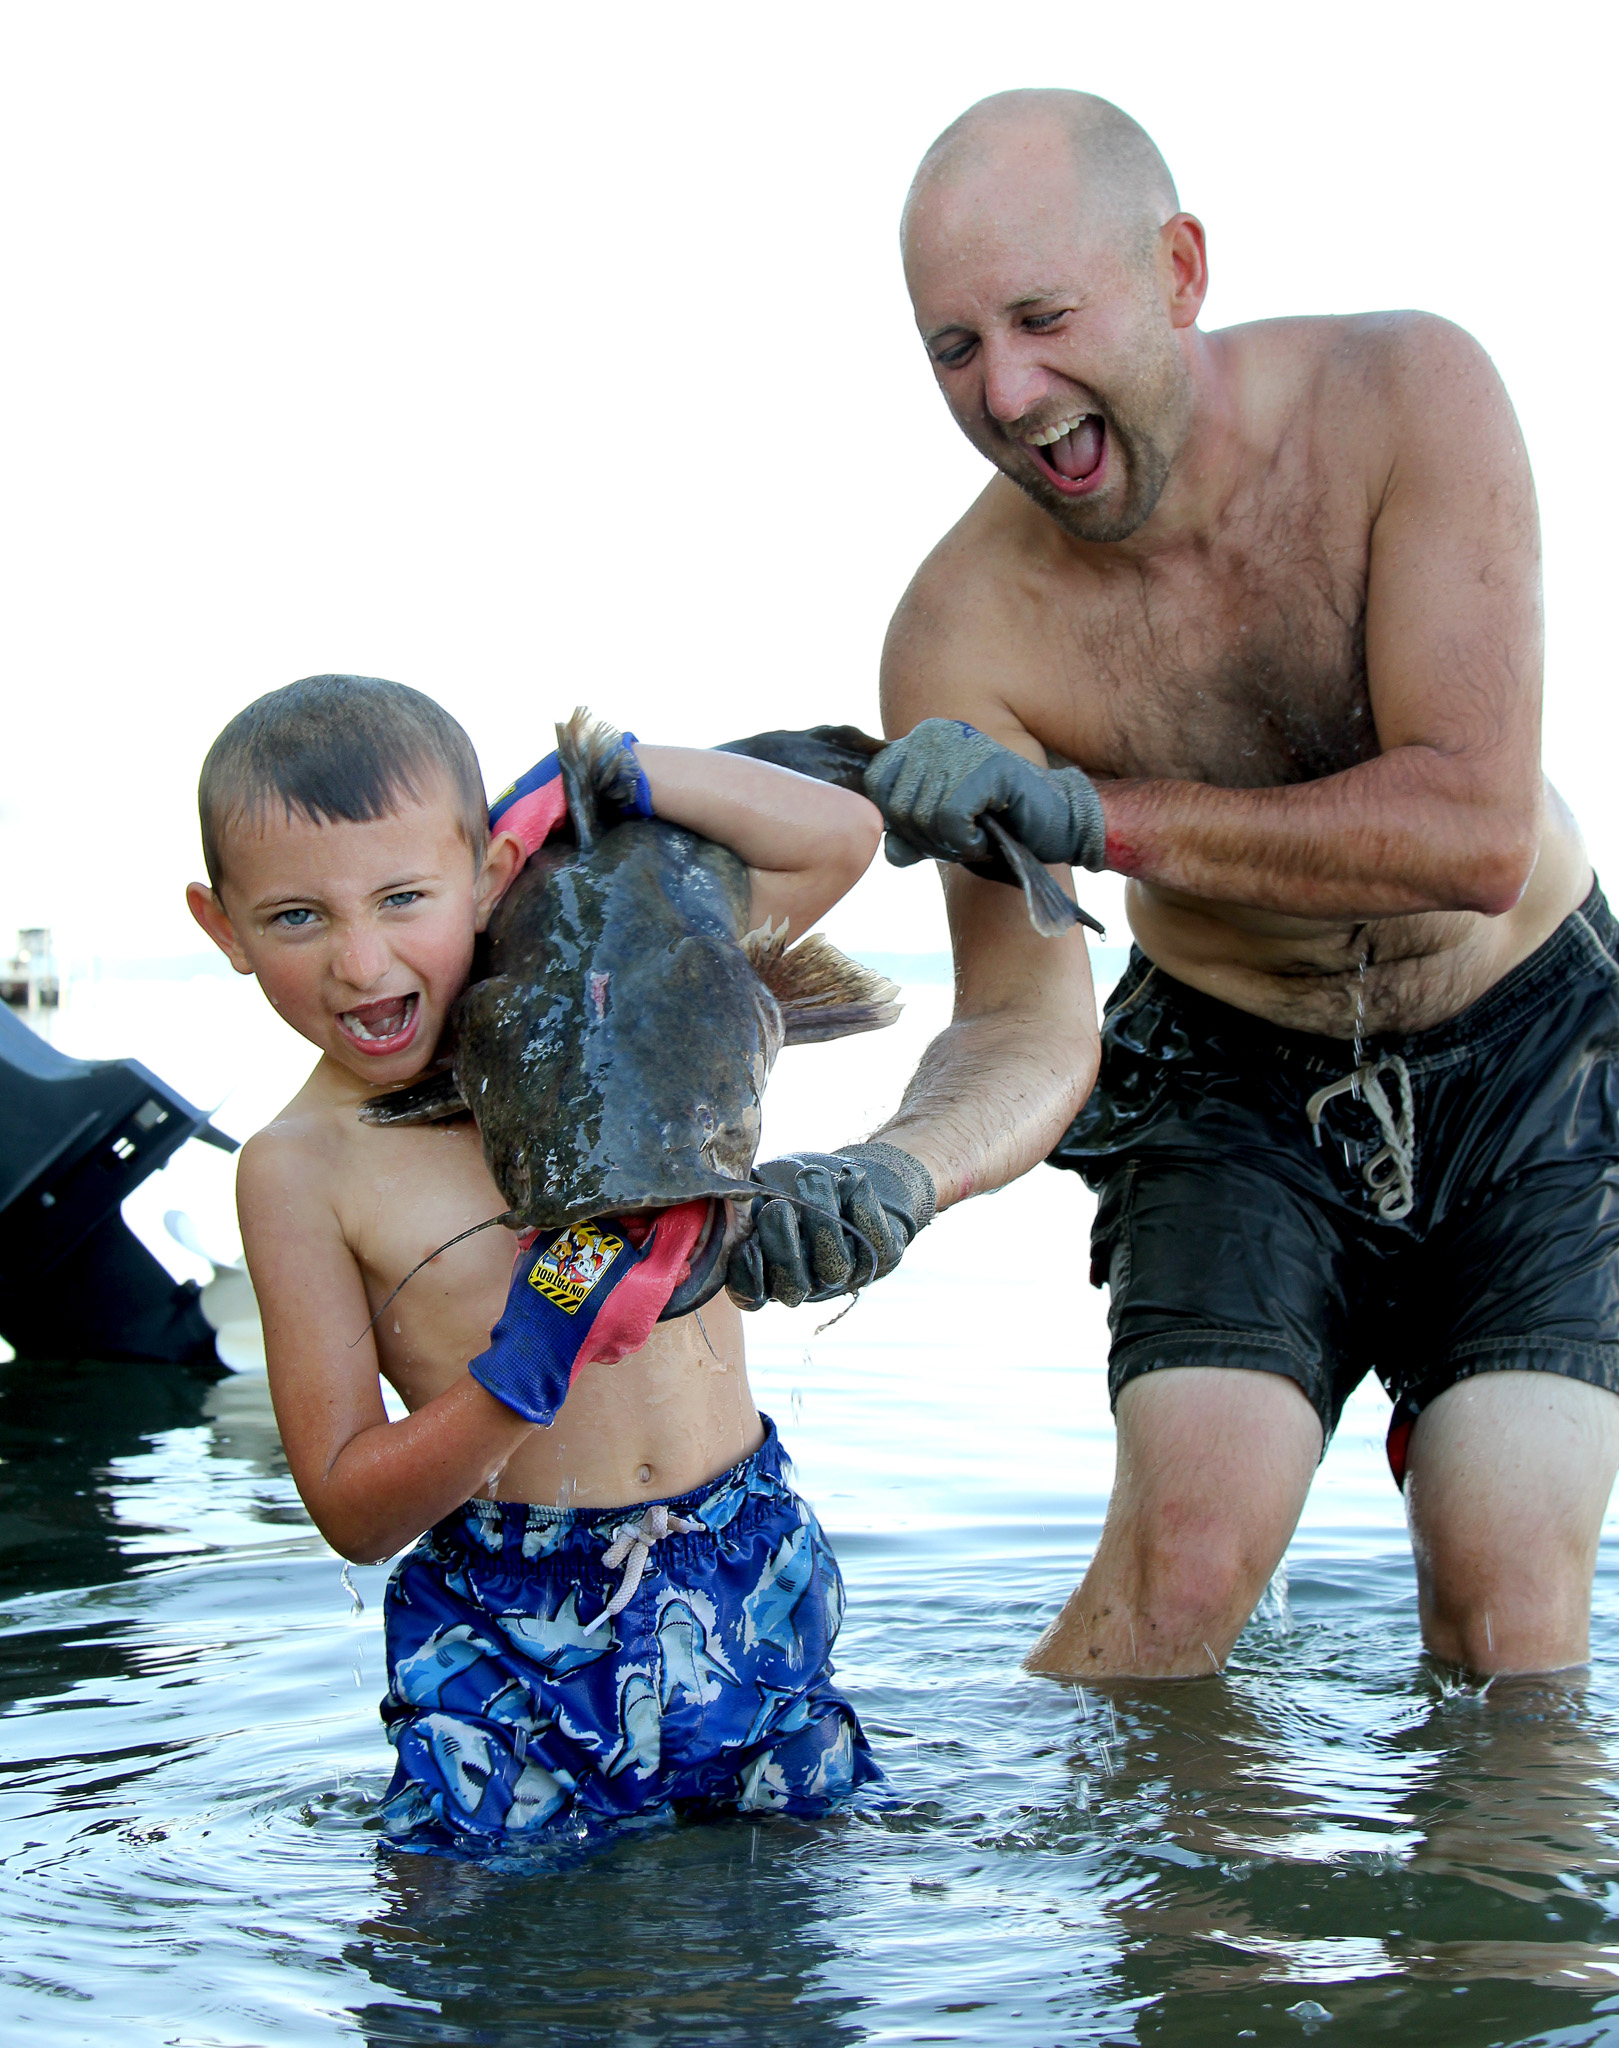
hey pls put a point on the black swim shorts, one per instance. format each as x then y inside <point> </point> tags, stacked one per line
<point>1450,1209</point>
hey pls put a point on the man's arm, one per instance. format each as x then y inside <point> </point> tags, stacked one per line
<point>1447,817</point>
<point>371,1486</point>
<point>999,1086</point>
<point>991,1097</point>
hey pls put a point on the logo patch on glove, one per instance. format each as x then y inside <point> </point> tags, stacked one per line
<point>568,1269</point>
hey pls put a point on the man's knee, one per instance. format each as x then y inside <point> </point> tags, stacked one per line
<point>1508,1481</point>
<point>1214,1462</point>
<point>1193,1571</point>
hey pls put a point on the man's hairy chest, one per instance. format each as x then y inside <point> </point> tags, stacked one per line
<point>1244,667</point>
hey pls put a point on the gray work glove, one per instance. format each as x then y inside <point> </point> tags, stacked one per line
<point>799,1249</point>
<point>934,785</point>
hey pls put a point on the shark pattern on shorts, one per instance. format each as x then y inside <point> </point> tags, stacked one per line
<point>770,1609</point>
<point>710,1692</point>
<point>558,1642</point>
<point>688,1646</point>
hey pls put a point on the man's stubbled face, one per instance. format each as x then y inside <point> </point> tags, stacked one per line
<point>1050,336</point>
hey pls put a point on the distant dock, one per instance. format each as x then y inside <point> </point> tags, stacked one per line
<point>29,980</point>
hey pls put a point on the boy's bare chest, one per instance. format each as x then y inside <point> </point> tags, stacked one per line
<point>411,1191</point>
<point>1244,668</point>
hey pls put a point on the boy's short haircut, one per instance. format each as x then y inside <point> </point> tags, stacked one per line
<point>336,747</point>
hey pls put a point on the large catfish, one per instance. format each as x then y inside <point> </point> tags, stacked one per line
<point>614,1044</point>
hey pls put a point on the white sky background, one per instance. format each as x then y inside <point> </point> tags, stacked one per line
<point>533,358</point>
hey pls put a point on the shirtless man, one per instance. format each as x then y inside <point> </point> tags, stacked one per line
<point>1276,591</point>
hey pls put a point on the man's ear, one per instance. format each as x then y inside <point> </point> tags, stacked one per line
<point>502,863</point>
<point>210,913</point>
<point>1186,267</point>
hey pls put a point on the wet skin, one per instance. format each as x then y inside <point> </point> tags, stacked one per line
<point>1309,683</point>
<point>1277,590</point>
<point>338,918</point>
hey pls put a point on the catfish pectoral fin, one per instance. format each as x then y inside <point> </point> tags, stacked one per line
<point>429,1101</point>
<point>1050,911</point>
<point>821,992</point>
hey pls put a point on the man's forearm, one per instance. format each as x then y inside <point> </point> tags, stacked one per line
<point>991,1097</point>
<point>1413,830</point>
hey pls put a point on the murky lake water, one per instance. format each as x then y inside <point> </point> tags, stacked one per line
<point>1332,1838</point>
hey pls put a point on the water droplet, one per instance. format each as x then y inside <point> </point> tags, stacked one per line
<point>1360,1011</point>
<point>352,1590</point>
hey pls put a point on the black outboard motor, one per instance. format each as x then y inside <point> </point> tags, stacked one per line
<point>77,1137</point>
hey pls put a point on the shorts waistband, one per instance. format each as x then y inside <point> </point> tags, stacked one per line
<point>488,1527</point>
<point>1587,938</point>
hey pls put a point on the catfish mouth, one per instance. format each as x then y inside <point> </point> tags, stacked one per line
<point>1071,454</point>
<point>383,1027</point>
<point>705,1274</point>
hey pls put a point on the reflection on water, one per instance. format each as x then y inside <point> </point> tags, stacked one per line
<point>1334,1839</point>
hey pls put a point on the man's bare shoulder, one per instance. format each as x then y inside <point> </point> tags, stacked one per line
<point>965,614</point>
<point>1354,371</point>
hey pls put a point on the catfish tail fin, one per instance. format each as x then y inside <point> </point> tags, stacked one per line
<point>595,765</point>
<point>830,753</point>
<point>822,993</point>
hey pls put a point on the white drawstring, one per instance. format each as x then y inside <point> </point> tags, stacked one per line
<point>1390,1173</point>
<point>631,1547</point>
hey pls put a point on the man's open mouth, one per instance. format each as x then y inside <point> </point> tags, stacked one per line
<point>1071,450</point>
<point>385,1026</point>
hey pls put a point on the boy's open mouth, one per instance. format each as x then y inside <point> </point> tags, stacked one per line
<point>1071,452</point>
<point>385,1026</point>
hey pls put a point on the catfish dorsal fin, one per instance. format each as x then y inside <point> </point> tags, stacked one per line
<point>820,991</point>
<point>591,755</point>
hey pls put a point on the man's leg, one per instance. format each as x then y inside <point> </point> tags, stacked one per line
<point>1506,1486</point>
<point>1214,1464</point>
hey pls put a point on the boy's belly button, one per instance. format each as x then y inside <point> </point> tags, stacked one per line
<point>644,1475</point>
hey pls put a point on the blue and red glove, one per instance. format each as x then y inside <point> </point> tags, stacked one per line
<point>535,804</point>
<point>579,1295</point>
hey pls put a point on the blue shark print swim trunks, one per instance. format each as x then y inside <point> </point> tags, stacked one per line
<point>553,1670</point>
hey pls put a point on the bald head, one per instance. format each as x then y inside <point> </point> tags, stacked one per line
<point>1057,284</point>
<point>1119,181</point>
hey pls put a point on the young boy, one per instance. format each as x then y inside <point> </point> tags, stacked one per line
<point>350,868</point>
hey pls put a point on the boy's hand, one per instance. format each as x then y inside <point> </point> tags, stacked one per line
<point>811,1249</point>
<point>578,1295</point>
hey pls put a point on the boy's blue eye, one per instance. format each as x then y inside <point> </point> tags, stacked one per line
<point>401,899</point>
<point>294,920</point>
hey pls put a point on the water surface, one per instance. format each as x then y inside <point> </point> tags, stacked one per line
<point>1334,1838</point>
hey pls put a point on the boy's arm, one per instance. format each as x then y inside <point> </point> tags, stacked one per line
<point>371,1486</point>
<point>805,843</point>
